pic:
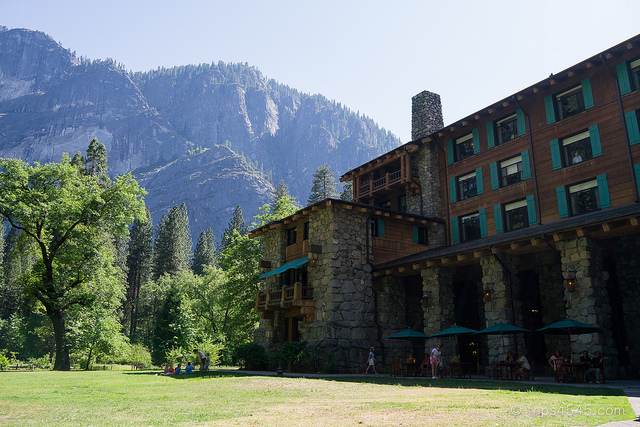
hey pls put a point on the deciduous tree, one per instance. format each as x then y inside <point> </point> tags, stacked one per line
<point>69,216</point>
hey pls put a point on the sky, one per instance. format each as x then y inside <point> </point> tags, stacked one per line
<point>372,56</point>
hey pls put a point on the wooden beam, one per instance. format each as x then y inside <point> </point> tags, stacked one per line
<point>535,241</point>
<point>505,103</point>
<point>480,253</point>
<point>520,97</point>
<point>588,65</point>
<point>464,123</point>
<point>491,110</point>
<point>495,250</point>
<point>536,90</point>
<point>606,227</point>
<point>515,245</point>
<point>608,55</point>
<point>477,117</point>
<point>402,269</point>
<point>463,257</point>
<point>418,266</point>
<point>629,46</point>
<point>378,273</point>
<point>349,207</point>
<point>633,221</point>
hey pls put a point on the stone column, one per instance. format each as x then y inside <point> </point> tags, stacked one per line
<point>504,305</point>
<point>392,315</point>
<point>426,114</point>
<point>627,266</point>
<point>439,306</point>
<point>582,257</point>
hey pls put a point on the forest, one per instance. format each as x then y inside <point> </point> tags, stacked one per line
<point>87,278</point>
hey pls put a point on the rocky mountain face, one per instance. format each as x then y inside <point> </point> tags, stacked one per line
<point>213,136</point>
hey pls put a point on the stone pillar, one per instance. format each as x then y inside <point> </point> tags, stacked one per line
<point>392,315</point>
<point>426,114</point>
<point>504,305</point>
<point>551,286</point>
<point>627,266</point>
<point>582,257</point>
<point>439,307</point>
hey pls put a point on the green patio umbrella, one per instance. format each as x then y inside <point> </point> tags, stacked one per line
<point>455,330</point>
<point>409,334</point>
<point>570,327</point>
<point>502,328</point>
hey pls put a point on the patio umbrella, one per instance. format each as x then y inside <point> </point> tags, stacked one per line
<point>409,335</point>
<point>455,330</point>
<point>570,327</point>
<point>502,328</point>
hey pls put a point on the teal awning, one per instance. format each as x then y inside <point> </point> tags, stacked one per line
<point>291,264</point>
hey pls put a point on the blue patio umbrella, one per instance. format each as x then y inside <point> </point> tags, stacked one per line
<point>570,327</point>
<point>502,328</point>
<point>455,330</point>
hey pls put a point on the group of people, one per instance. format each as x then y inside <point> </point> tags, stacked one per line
<point>204,360</point>
<point>431,361</point>
<point>593,365</point>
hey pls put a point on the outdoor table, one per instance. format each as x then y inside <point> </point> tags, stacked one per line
<point>504,370</point>
<point>575,371</point>
<point>457,368</point>
<point>411,368</point>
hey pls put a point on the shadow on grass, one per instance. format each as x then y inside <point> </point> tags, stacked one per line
<point>416,382</point>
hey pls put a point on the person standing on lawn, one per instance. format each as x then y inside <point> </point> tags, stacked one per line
<point>371,362</point>
<point>202,357</point>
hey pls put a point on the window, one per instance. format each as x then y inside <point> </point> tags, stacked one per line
<point>291,236</point>
<point>569,102</point>
<point>464,147</point>
<point>306,231</point>
<point>631,117</point>
<point>634,67</point>
<point>466,186</point>
<point>628,76</point>
<point>584,198</point>
<point>377,227</point>
<point>511,171</point>
<point>576,149</point>
<point>516,215</point>
<point>402,203</point>
<point>420,235</point>
<point>470,227</point>
<point>506,129</point>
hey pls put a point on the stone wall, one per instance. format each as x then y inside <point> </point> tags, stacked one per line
<point>582,257</point>
<point>627,249</point>
<point>344,328</point>
<point>504,305</point>
<point>392,311</point>
<point>426,114</point>
<point>439,310</point>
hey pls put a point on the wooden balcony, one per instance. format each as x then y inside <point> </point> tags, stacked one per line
<point>296,300</point>
<point>297,250</point>
<point>380,183</point>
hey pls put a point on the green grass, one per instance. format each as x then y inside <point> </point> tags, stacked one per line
<point>121,398</point>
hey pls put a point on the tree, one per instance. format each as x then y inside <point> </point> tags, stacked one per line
<point>139,268</point>
<point>236,223</point>
<point>324,185</point>
<point>347,192</point>
<point>68,215</point>
<point>282,190</point>
<point>96,160</point>
<point>205,253</point>
<point>172,249</point>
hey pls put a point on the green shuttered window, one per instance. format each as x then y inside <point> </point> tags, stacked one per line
<point>476,141</point>
<point>563,209</point>
<point>632,127</point>
<point>587,93</point>
<point>526,165</point>
<point>491,139</point>
<point>455,230</point>
<point>522,128</point>
<point>479,184</point>
<point>531,210</point>
<point>636,169</point>
<point>415,234</point>
<point>452,189</point>
<point>381,227</point>
<point>495,182</point>
<point>483,222</point>
<point>623,78</point>
<point>603,191</point>
<point>594,135</point>
<point>556,159</point>
<point>497,215</point>
<point>450,151</point>
<point>549,109</point>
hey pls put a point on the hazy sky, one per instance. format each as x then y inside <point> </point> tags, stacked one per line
<point>372,56</point>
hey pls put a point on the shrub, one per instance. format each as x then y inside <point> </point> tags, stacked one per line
<point>250,356</point>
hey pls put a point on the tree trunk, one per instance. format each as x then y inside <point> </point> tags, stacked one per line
<point>62,362</point>
<point>89,359</point>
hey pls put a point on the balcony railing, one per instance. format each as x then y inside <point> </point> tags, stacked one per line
<point>284,297</point>
<point>379,183</point>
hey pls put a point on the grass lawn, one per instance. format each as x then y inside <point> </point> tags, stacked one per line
<point>121,398</point>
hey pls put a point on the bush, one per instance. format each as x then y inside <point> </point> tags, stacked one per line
<point>295,352</point>
<point>43,362</point>
<point>250,356</point>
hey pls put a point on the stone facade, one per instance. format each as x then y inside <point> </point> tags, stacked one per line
<point>426,114</point>
<point>439,307</point>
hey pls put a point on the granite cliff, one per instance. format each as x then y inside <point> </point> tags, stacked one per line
<point>212,135</point>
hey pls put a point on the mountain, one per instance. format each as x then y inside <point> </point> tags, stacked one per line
<point>213,136</point>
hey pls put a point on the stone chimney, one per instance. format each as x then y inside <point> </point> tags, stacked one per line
<point>426,114</point>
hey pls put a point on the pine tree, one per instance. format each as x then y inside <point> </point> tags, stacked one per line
<point>236,223</point>
<point>140,268</point>
<point>96,160</point>
<point>172,249</point>
<point>324,185</point>
<point>205,253</point>
<point>282,190</point>
<point>347,192</point>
